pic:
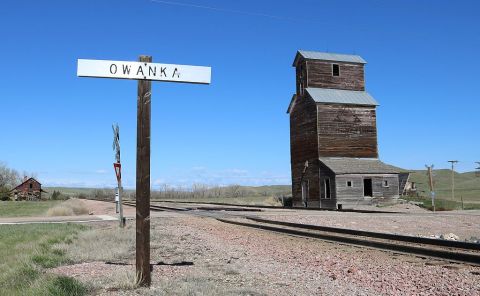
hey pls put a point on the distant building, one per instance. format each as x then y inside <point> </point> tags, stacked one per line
<point>30,189</point>
<point>333,135</point>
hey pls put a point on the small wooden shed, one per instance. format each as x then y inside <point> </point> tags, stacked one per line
<point>30,189</point>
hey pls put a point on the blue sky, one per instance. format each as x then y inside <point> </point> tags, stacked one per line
<point>422,67</point>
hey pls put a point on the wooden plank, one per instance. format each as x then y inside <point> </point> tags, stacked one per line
<point>143,180</point>
<point>303,147</point>
<point>320,75</point>
<point>143,71</point>
<point>346,131</point>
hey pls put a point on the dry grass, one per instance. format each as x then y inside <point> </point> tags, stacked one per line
<point>102,244</point>
<point>109,243</point>
<point>71,207</point>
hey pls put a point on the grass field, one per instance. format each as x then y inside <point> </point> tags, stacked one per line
<point>25,208</point>
<point>467,185</point>
<point>26,251</point>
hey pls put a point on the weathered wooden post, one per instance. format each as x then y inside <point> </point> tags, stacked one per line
<point>144,71</point>
<point>143,179</point>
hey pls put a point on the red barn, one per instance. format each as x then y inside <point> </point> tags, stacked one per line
<point>30,189</point>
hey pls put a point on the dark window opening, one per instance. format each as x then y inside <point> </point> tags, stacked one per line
<point>367,187</point>
<point>327,187</point>
<point>349,183</point>
<point>335,70</point>
<point>301,80</point>
<point>385,183</point>
<point>31,186</point>
<point>305,193</point>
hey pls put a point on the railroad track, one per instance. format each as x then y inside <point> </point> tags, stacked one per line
<point>452,251</point>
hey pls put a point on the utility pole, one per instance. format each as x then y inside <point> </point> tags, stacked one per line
<point>430,184</point>
<point>453,162</point>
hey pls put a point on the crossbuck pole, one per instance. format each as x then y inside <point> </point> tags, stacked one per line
<point>143,180</point>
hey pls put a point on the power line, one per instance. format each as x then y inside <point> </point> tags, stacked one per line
<point>277,17</point>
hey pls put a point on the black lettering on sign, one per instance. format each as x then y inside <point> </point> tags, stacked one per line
<point>162,71</point>
<point>140,70</point>
<point>126,69</point>
<point>113,69</point>
<point>152,70</point>
<point>176,72</point>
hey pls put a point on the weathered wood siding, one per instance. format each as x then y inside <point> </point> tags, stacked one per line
<point>349,195</point>
<point>354,195</point>
<point>303,147</point>
<point>402,182</point>
<point>327,203</point>
<point>31,189</point>
<point>390,191</point>
<point>347,131</point>
<point>319,74</point>
<point>301,78</point>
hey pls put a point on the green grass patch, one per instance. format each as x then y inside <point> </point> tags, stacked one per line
<point>25,208</point>
<point>467,185</point>
<point>27,250</point>
<point>63,285</point>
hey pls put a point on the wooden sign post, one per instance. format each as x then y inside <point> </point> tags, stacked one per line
<point>144,71</point>
<point>143,179</point>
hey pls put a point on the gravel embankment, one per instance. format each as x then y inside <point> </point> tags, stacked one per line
<point>465,226</point>
<point>234,260</point>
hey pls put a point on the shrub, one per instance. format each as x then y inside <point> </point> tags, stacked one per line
<point>63,285</point>
<point>4,196</point>
<point>55,195</point>
<point>70,207</point>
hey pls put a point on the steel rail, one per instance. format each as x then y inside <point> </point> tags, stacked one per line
<point>459,257</point>
<point>380,235</point>
<point>354,237</point>
<point>278,207</point>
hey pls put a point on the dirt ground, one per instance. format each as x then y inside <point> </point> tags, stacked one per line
<point>105,208</point>
<point>233,260</point>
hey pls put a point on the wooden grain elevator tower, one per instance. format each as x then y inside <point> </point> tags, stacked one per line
<point>333,135</point>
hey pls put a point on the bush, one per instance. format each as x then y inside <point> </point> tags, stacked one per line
<point>4,196</point>
<point>82,196</point>
<point>63,285</point>
<point>4,193</point>
<point>71,207</point>
<point>55,195</point>
<point>103,194</point>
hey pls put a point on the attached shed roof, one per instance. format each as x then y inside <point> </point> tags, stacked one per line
<point>328,56</point>
<point>340,96</point>
<point>345,165</point>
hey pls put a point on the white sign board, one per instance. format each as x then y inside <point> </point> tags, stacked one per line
<point>143,71</point>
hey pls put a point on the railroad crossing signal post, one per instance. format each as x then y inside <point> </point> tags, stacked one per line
<point>118,173</point>
<point>144,71</point>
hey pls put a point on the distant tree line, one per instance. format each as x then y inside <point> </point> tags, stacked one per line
<point>195,191</point>
<point>201,191</point>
